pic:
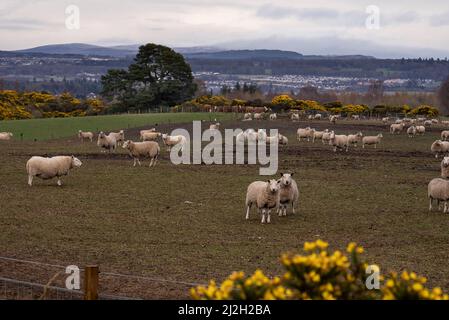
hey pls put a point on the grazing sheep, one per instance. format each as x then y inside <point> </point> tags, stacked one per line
<point>107,142</point>
<point>355,117</point>
<point>295,117</point>
<point>148,149</point>
<point>420,130</point>
<point>150,136</point>
<point>247,117</point>
<point>318,116</point>
<point>398,121</point>
<point>142,132</point>
<point>333,119</point>
<point>438,189</point>
<point>396,128</point>
<point>310,117</point>
<point>445,135</point>
<point>48,168</point>
<point>372,140</point>
<point>85,135</point>
<point>445,122</point>
<point>339,141</point>
<point>258,116</point>
<point>326,137</point>
<point>439,148</point>
<point>306,133</point>
<point>428,123</point>
<point>119,136</point>
<point>273,116</point>
<point>421,119</point>
<point>283,140</point>
<point>435,121</point>
<point>354,139</point>
<point>411,131</point>
<point>288,193</point>
<point>445,168</point>
<point>265,195</point>
<point>5,136</point>
<point>318,135</point>
<point>385,120</point>
<point>214,126</point>
<point>171,141</point>
<point>272,140</point>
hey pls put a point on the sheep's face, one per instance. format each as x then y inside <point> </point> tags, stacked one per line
<point>273,185</point>
<point>359,134</point>
<point>76,162</point>
<point>126,144</point>
<point>286,179</point>
<point>102,135</point>
<point>445,162</point>
<point>10,134</point>
<point>164,136</point>
<point>380,135</point>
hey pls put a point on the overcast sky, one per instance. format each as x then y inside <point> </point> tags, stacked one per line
<point>408,28</point>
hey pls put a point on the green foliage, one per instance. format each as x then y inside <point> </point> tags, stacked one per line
<point>158,76</point>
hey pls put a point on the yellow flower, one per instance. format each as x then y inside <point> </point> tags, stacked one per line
<point>351,246</point>
<point>417,287</point>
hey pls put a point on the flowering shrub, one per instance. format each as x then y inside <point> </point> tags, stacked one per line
<point>319,274</point>
<point>283,100</point>
<point>425,111</point>
<point>310,105</point>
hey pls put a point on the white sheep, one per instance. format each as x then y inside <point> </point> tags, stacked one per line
<point>295,117</point>
<point>150,136</point>
<point>428,123</point>
<point>445,122</point>
<point>171,141</point>
<point>4,136</point>
<point>48,168</point>
<point>438,189</point>
<point>258,116</point>
<point>143,132</point>
<point>354,139</point>
<point>215,126</point>
<point>148,149</point>
<point>273,116</point>
<point>385,120</point>
<point>85,135</point>
<point>306,133</point>
<point>318,116</point>
<point>272,140</point>
<point>261,135</point>
<point>283,140</point>
<point>107,142</point>
<point>119,136</point>
<point>439,148</point>
<point>411,131</point>
<point>372,140</point>
<point>339,141</point>
<point>247,117</point>
<point>288,193</point>
<point>445,135</point>
<point>420,130</point>
<point>355,117</point>
<point>396,128</point>
<point>435,121</point>
<point>445,168</point>
<point>318,135</point>
<point>265,195</point>
<point>333,119</point>
<point>326,137</point>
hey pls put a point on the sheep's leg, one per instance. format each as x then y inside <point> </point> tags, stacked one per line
<point>247,211</point>
<point>268,216</point>
<point>375,146</point>
<point>30,180</point>
<point>151,162</point>
<point>263,216</point>
<point>59,182</point>
<point>134,162</point>
<point>293,207</point>
<point>445,208</point>
<point>138,161</point>
<point>430,204</point>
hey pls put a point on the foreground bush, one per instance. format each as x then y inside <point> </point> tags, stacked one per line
<point>320,275</point>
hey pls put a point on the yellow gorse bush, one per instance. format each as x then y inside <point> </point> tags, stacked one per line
<point>319,275</point>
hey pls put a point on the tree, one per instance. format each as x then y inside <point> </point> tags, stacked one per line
<point>158,76</point>
<point>443,96</point>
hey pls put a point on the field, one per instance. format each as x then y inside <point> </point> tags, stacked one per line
<point>186,222</point>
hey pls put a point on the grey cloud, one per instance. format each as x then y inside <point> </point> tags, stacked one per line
<point>440,20</point>
<point>24,24</point>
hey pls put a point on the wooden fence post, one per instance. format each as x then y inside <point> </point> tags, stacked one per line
<point>91,282</point>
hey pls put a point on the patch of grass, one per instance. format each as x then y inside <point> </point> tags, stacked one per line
<point>44,129</point>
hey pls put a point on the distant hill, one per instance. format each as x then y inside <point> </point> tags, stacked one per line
<point>81,49</point>
<point>245,54</point>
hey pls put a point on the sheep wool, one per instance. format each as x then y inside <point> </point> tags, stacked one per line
<point>48,168</point>
<point>438,189</point>
<point>288,193</point>
<point>148,149</point>
<point>265,195</point>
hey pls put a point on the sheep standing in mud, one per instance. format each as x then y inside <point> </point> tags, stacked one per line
<point>372,140</point>
<point>438,189</point>
<point>339,142</point>
<point>445,168</point>
<point>288,193</point>
<point>48,168</point>
<point>148,149</point>
<point>5,136</point>
<point>440,148</point>
<point>85,135</point>
<point>107,142</point>
<point>265,195</point>
<point>354,139</point>
<point>172,141</point>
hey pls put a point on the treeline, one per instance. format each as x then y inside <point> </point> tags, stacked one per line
<point>16,105</point>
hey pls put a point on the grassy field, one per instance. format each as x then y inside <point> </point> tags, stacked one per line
<point>44,129</point>
<point>187,223</point>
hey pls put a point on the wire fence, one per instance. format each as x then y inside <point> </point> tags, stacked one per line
<point>113,286</point>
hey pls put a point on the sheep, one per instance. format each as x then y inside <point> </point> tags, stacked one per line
<point>258,116</point>
<point>445,168</point>
<point>107,142</point>
<point>295,117</point>
<point>411,131</point>
<point>339,141</point>
<point>398,121</point>
<point>420,120</point>
<point>354,139</point>
<point>273,116</point>
<point>4,136</point>
<point>369,140</point>
<point>445,122</point>
<point>305,133</point>
<point>385,120</point>
<point>283,140</point>
<point>143,132</point>
<point>249,135</point>
<point>333,119</point>
<point>214,126</point>
<point>85,135</point>
<point>435,121</point>
<point>148,149</point>
<point>439,147</point>
<point>396,128</point>
<point>355,117</point>
<point>272,140</point>
<point>288,193</point>
<point>420,130</point>
<point>318,116</point>
<point>247,117</point>
<point>318,135</point>
<point>438,189</point>
<point>171,141</point>
<point>119,136</point>
<point>261,135</point>
<point>150,136</point>
<point>265,195</point>
<point>310,117</point>
<point>445,135</point>
<point>326,137</point>
<point>48,168</point>
<point>428,123</point>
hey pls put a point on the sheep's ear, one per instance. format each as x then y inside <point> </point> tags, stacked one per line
<point>281,174</point>
<point>73,157</point>
<point>291,174</point>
